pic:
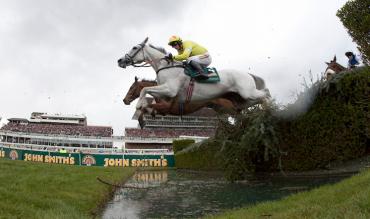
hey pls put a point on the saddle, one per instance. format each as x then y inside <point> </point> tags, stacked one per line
<point>193,73</point>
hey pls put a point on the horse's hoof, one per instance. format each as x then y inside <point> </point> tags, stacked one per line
<point>153,113</point>
<point>267,91</point>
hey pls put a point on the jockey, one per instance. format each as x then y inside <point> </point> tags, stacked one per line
<point>194,54</point>
<point>352,60</point>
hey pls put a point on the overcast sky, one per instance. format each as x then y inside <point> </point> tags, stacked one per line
<point>60,56</point>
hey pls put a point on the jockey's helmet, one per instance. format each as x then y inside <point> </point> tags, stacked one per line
<point>174,39</point>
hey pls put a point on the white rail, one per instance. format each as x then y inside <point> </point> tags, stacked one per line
<point>85,150</point>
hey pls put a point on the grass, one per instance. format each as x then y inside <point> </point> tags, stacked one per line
<point>347,199</point>
<point>39,190</point>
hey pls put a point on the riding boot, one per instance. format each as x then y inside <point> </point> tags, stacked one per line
<point>198,67</point>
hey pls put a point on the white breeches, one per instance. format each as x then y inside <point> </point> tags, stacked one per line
<point>204,60</point>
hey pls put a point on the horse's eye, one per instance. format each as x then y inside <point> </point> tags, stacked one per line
<point>134,48</point>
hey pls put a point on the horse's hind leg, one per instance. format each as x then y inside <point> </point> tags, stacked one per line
<point>258,97</point>
<point>255,95</point>
<point>267,91</point>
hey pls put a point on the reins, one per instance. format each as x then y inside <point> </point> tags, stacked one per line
<point>167,67</point>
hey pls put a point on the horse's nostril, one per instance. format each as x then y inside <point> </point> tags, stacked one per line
<point>119,60</point>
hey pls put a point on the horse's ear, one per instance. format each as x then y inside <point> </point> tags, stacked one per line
<point>136,79</point>
<point>335,58</point>
<point>145,41</point>
<point>327,63</point>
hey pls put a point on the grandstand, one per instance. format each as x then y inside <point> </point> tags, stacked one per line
<point>55,131</point>
<point>159,132</point>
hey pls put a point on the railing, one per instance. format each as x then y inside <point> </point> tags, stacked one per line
<point>131,139</point>
<point>60,138</point>
<point>55,136</point>
<point>86,150</point>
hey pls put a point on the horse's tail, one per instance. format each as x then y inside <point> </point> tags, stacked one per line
<point>260,83</point>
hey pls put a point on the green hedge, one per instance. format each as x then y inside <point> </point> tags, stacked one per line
<point>178,145</point>
<point>200,157</point>
<point>336,127</point>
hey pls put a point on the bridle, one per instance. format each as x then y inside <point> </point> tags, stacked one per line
<point>130,57</point>
<point>131,62</point>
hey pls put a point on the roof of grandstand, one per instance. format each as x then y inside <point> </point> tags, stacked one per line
<point>56,115</point>
<point>76,122</point>
<point>17,120</point>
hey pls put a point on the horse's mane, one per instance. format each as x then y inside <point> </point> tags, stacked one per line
<point>160,49</point>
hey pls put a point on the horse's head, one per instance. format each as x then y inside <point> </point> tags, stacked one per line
<point>134,56</point>
<point>134,92</point>
<point>333,68</point>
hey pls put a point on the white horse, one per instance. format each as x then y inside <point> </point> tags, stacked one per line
<point>172,80</point>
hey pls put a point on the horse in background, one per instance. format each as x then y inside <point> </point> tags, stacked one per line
<point>173,107</point>
<point>333,68</point>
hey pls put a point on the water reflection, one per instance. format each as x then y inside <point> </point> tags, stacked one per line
<point>176,194</point>
<point>150,177</point>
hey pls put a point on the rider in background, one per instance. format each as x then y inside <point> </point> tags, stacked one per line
<point>194,54</point>
<point>352,60</point>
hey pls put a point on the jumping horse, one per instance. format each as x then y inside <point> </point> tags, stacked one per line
<point>164,107</point>
<point>172,82</point>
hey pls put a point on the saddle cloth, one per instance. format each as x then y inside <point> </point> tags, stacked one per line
<point>212,74</point>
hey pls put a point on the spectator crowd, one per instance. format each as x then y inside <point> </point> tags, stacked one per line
<point>60,129</point>
<point>168,133</point>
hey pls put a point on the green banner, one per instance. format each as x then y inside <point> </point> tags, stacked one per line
<point>89,159</point>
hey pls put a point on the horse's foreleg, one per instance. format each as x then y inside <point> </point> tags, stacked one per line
<point>162,107</point>
<point>157,91</point>
<point>172,107</point>
<point>165,107</point>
